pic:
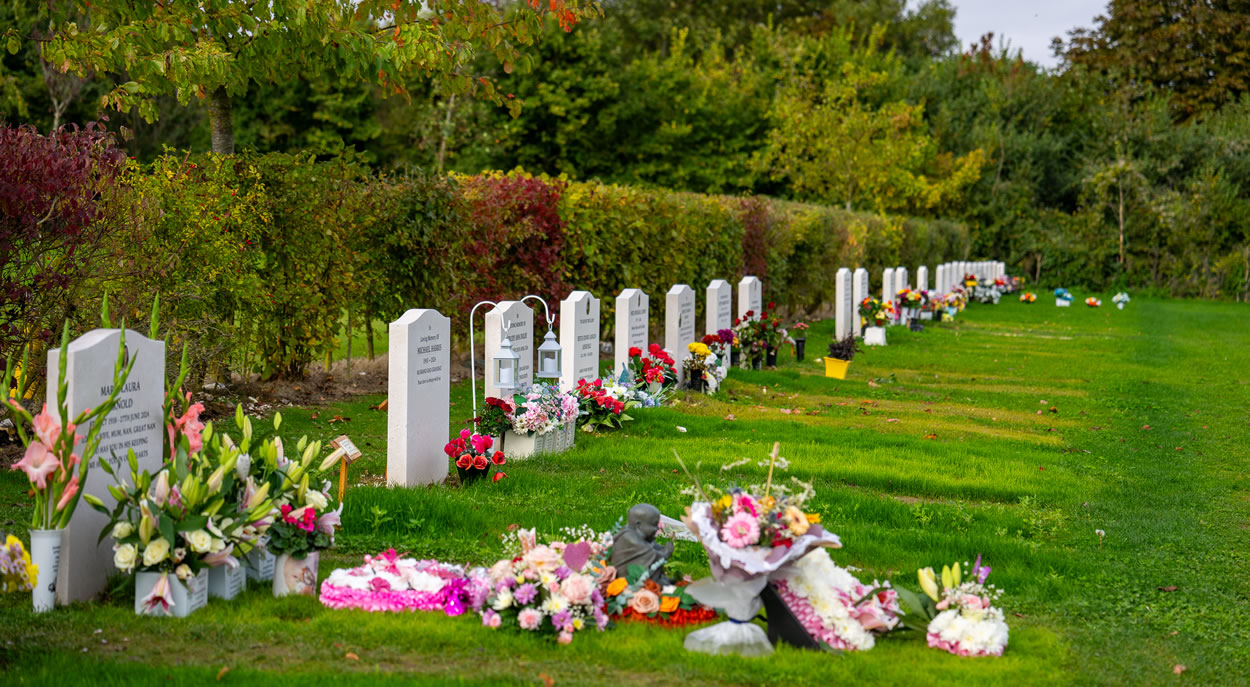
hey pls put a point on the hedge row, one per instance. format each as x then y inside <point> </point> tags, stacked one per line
<point>258,257</point>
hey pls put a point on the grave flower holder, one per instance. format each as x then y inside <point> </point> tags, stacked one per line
<point>770,358</point>
<point>800,346</point>
<point>296,576</point>
<point>836,368</point>
<point>874,336</point>
<point>470,474</point>
<point>226,582</point>
<point>185,597</point>
<point>259,564</point>
<point>45,552</point>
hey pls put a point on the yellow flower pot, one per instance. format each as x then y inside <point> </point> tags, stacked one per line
<point>836,368</point>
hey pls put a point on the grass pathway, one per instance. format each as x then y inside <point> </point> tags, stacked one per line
<point>942,455</point>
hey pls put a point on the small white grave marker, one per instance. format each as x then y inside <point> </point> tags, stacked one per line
<point>633,308</point>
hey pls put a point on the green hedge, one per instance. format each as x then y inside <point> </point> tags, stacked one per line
<point>258,257</point>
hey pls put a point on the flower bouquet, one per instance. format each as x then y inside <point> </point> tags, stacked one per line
<point>602,406</point>
<point>541,420</point>
<point>17,572</point>
<point>387,582</point>
<point>305,523</point>
<point>496,418</point>
<point>52,460</point>
<point>703,370</point>
<point>873,312</point>
<point>1120,299</point>
<point>657,369</point>
<point>550,588</point>
<point>833,607</point>
<point>1028,297</point>
<point>1093,302</point>
<point>722,344</point>
<point>760,337</point>
<point>1063,298</point>
<point>636,597</point>
<point>961,618</point>
<point>970,281</point>
<point>750,534</point>
<point>474,458</point>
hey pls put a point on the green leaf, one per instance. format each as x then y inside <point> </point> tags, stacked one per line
<point>197,522</point>
<point>166,526</point>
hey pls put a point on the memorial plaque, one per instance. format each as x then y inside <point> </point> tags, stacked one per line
<point>750,296</point>
<point>633,307</point>
<point>579,339</point>
<point>134,423</point>
<point>844,306</point>
<point>419,398</point>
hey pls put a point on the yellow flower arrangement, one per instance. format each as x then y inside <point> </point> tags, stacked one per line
<point>20,575</point>
<point>699,349</point>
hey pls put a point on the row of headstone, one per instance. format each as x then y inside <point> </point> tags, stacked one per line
<point>951,274</point>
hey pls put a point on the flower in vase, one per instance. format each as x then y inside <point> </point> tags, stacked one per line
<point>125,556</point>
<point>156,551</point>
<point>38,463</point>
<point>199,541</point>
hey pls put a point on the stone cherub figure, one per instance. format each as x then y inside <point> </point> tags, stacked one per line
<point>635,543</point>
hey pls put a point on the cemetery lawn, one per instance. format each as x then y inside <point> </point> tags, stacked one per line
<point>933,450</point>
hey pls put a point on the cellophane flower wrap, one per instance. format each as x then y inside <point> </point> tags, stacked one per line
<point>751,534</point>
<point>834,606</point>
<point>550,588</point>
<point>389,582</point>
<point>543,409</point>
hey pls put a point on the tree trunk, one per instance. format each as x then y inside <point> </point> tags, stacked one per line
<point>369,333</point>
<point>1121,186</point>
<point>221,122</point>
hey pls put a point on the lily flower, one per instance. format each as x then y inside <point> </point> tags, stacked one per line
<point>928,582</point>
<point>223,557</point>
<point>330,520</point>
<point>162,596</point>
<point>160,490</point>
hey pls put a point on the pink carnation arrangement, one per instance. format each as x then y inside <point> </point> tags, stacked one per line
<point>387,582</point>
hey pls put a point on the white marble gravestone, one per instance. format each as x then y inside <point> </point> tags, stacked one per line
<point>632,310</point>
<point>940,279</point>
<point>419,398</point>
<point>679,325</point>
<point>887,286</point>
<point>720,312</point>
<point>579,339</point>
<point>844,306</point>
<point>922,278</point>
<point>134,423</point>
<point>520,319</point>
<point>901,279</point>
<point>861,291</point>
<point>750,296</point>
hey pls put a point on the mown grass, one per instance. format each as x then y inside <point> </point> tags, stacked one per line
<point>933,450</point>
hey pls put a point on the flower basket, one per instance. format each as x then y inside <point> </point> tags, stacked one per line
<point>836,368</point>
<point>225,582</point>
<point>184,597</point>
<point>782,625</point>
<point>558,440</point>
<point>297,576</point>
<point>45,554</point>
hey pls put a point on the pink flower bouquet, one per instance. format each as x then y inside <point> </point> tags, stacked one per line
<point>389,583</point>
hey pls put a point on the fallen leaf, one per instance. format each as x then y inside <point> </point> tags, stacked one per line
<point>339,418</point>
<point>1041,469</point>
<point>1145,426</point>
<point>1021,615</point>
<point>1179,668</point>
<point>730,417</point>
<point>547,681</point>
<point>785,411</point>
<point>314,416</point>
<point>351,657</point>
<point>842,403</point>
<point>1053,409</point>
<point>930,436</point>
<point>1174,632</point>
<point>893,419</point>
<point>222,673</point>
<point>1169,588</point>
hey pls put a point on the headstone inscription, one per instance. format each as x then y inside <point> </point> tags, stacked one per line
<point>418,398</point>
<point>633,307</point>
<point>679,325</point>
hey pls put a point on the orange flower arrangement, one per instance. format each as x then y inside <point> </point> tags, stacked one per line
<point>668,604</point>
<point>617,586</point>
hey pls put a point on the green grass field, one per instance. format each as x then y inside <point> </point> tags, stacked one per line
<point>933,450</point>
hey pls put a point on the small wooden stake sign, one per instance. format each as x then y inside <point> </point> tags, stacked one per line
<point>345,449</point>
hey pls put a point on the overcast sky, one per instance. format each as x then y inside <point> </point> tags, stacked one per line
<point>1026,25</point>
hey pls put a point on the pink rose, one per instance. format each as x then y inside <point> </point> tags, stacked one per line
<point>565,638</point>
<point>577,589</point>
<point>544,558</point>
<point>645,602</point>
<point>494,621</point>
<point>500,570</point>
<point>530,618</point>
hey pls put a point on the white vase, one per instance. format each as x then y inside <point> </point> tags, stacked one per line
<point>1061,303</point>
<point>225,582</point>
<point>293,575</point>
<point>259,564</point>
<point>45,552</point>
<point>926,315</point>
<point>517,446</point>
<point>874,336</point>
<point>187,596</point>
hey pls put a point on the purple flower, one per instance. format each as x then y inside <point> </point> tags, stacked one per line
<point>601,619</point>
<point>563,572</point>
<point>596,599</point>
<point>561,619</point>
<point>525,593</point>
<point>981,571</point>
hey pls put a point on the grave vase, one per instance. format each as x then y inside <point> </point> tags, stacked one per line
<point>185,596</point>
<point>696,383</point>
<point>45,552</point>
<point>470,475</point>
<point>770,358</point>
<point>874,336</point>
<point>226,582</point>
<point>735,357</point>
<point>800,345</point>
<point>259,563</point>
<point>293,575</point>
<point>836,368</point>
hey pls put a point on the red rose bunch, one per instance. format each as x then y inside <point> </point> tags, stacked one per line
<point>473,452</point>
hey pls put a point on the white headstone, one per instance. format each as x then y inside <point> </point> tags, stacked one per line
<point>887,285</point>
<point>750,296</point>
<point>901,279</point>
<point>861,291</point>
<point>134,423</point>
<point>418,398</point>
<point>844,305</point>
<point>679,324</point>
<point>939,279</point>
<point>720,313</point>
<point>520,319</point>
<point>922,278</point>
<point>579,339</point>
<point>632,310</point>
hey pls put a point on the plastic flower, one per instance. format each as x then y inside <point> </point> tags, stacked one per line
<point>741,531</point>
<point>617,586</point>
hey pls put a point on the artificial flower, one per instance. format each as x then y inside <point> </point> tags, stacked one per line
<point>617,586</point>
